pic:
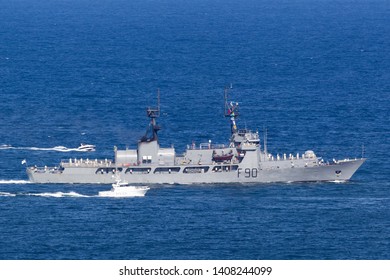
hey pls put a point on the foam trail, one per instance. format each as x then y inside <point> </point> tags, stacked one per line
<point>59,194</point>
<point>47,194</point>
<point>7,194</point>
<point>14,182</point>
<point>5,147</point>
<point>56,148</point>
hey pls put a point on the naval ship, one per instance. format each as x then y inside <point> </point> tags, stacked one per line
<point>244,159</point>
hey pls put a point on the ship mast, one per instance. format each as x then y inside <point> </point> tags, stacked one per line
<point>153,114</point>
<point>231,111</point>
<point>265,132</point>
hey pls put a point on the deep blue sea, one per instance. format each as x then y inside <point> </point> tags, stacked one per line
<point>316,74</point>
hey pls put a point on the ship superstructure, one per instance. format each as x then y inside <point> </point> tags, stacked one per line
<point>242,160</point>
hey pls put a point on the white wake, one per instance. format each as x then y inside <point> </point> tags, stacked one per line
<point>7,194</point>
<point>56,148</point>
<point>46,194</point>
<point>58,194</point>
<point>7,182</point>
<point>53,194</point>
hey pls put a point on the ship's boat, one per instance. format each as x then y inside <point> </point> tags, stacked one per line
<point>223,157</point>
<point>122,188</point>
<point>86,147</point>
<point>125,191</point>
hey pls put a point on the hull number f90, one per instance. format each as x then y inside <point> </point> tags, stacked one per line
<point>247,172</point>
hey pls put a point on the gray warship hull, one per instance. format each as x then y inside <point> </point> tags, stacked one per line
<point>242,160</point>
<point>340,171</point>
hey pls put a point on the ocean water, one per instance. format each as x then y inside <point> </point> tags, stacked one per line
<point>314,73</point>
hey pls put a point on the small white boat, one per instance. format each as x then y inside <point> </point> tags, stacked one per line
<point>123,189</point>
<point>86,147</point>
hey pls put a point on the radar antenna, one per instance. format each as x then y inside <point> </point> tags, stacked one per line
<point>154,112</point>
<point>265,132</point>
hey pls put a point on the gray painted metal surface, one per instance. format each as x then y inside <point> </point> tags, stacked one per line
<point>243,160</point>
